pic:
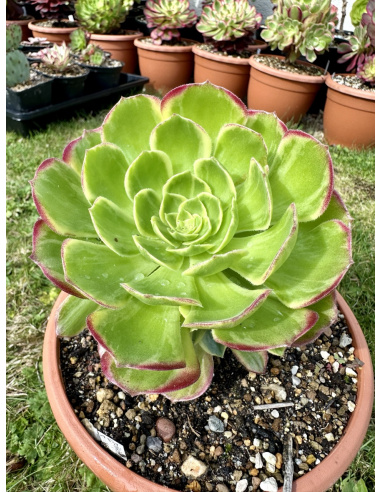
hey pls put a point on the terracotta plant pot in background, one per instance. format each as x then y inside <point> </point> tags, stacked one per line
<point>121,47</point>
<point>226,71</point>
<point>26,32</point>
<point>53,34</point>
<point>349,115</point>
<point>120,479</point>
<point>289,94</point>
<point>166,66</point>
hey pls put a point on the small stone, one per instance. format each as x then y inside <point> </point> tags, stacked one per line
<point>351,406</point>
<point>194,486</point>
<point>270,458</point>
<point>224,415</point>
<point>165,429</point>
<point>350,372</point>
<point>310,459</point>
<point>345,340</point>
<point>335,366</point>
<point>253,472</point>
<point>175,457</point>
<point>330,437</point>
<point>218,451</point>
<point>279,461</point>
<point>121,395</point>
<point>193,468</point>
<point>241,485</point>
<point>275,413</point>
<point>215,424</point>
<point>324,354</point>
<point>106,408</point>
<point>299,439</point>
<point>295,381</point>
<point>154,444</point>
<point>258,461</point>
<point>269,485</point>
<point>221,488</point>
<point>255,481</point>
<point>237,475</point>
<point>131,414</point>
<point>294,370</point>
<point>228,434</point>
<point>104,394</point>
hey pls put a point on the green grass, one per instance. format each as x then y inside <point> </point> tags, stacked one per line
<point>34,442</point>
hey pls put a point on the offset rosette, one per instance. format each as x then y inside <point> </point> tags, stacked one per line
<point>184,226</point>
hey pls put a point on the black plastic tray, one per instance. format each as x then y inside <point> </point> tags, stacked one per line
<point>24,122</point>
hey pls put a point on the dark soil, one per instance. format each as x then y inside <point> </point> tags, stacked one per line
<point>57,23</point>
<point>72,70</point>
<point>241,445</point>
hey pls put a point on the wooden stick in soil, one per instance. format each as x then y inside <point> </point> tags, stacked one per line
<point>288,465</point>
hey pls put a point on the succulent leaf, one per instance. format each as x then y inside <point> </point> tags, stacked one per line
<point>102,16</point>
<point>198,225</point>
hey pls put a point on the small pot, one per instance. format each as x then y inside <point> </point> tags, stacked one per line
<point>289,94</point>
<point>53,34</point>
<point>349,115</point>
<point>121,47</point>
<point>101,78</point>
<point>24,24</point>
<point>166,66</point>
<point>226,71</point>
<point>67,87</point>
<point>120,479</point>
<point>31,98</point>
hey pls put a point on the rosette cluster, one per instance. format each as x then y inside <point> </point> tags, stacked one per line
<point>102,16</point>
<point>188,225</point>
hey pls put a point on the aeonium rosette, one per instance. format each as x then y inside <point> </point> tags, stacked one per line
<point>185,226</point>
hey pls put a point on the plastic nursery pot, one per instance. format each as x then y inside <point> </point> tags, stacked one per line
<point>65,88</point>
<point>24,24</point>
<point>34,97</point>
<point>53,34</point>
<point>121,47</point>
<point>120,479</point>
<point>349,115</point>
<point>226,71</point>
<point>101,78</point>
<point>166,66</point>
<point>289,94</point>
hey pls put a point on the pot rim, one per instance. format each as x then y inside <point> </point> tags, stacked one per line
<point>20,22</point>
<point>116,37</point>
<point>120,479</point>
<point>34,26</point>
<point>139,43</point>
<point>351,91</point>
<point>231,60</point>
<point>283,74</point>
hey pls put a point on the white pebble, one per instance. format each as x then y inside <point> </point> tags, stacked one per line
<point>217,409</point>
<point>350,372</point>
<point>257,442</point>
<point>121,395</point>
<point>270,458</point>
<point>335,366</point>
<point>345,340</point>
<point>258,461</point>
<point>294,370</point>
<point>241,485</point>
<point>329,436</point>
<point>193,468</point>
<point>351,406</point>
<point>275,414</point>
<point>324,354</point>
<point>295,380</point>
<point>269,485</point>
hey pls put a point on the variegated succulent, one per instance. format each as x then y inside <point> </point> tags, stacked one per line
<point>188,225</point>
<point>229,24</point>
<point>57,57</point>
<point>102,16</point>
<point>167,17</point>
<point>92,55</point>
<point>360,48</point>
<point>301,27</point>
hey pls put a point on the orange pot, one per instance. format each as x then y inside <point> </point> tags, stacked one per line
<point>166,66</point>
<point>26,32</point>
<point>121,479</point>
<point>226,71</point>
<point>53,34</point>
<point>289,94</point>
<point>349,115</point>
<point>121,47</point>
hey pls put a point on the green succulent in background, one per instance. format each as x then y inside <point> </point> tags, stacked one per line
<point>78,40</point>
<point>301,27</point>
<point>17,65</point>
<point>357,10</point>
<point>102,16</point>
<point>188,225</point>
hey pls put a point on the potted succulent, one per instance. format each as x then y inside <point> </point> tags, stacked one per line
<point>349,113</point>
<point>68,77</point>
<point>228,28</point>
<point>165,57</point>
<point>16,14</point>
<point>170,258</point>
<point>26,90</point>
<point>284,84</point>
<point>103,19</point>
<point>104,71</point>
<point>55,24</point>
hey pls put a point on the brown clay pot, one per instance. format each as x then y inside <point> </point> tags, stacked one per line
<point>349,115</point>
<point>257,44</point>
<point>120,479</point>
<point>289,94</point>
<point>226,71</point>
<point>166,66</point>
<point>53,34</point>
<point>26,32</point>
<point>121,47</point>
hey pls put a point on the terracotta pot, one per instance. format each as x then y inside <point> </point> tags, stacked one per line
<point>288,94</point>
<point>121,479</point>
<point>53,34</point>
<point>26,32</point>
<point>226,71</point>
<point>166,66</point>
<point>349,115</point>
<point>258,44</point>
<point>121,47</point>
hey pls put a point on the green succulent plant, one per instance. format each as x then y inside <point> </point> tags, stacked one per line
<point>102,16</point>
<point>187,225</point>
<point>93,55</point>
<point>58,57</point>
<point>301,27</point>
<point>224,22</point>
<point>78,40</point>
<point>17,66</point>
<point>167,17</point>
